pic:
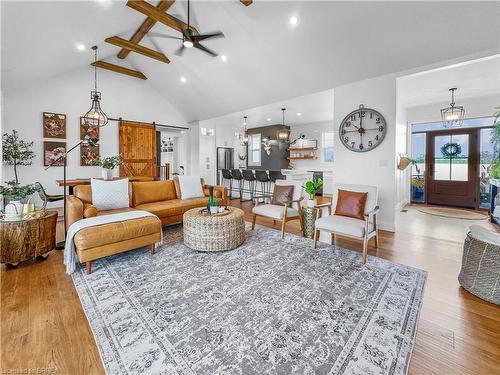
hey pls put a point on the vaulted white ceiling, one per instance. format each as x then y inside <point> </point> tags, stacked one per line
<point>477,78</point>
<point>268,60</point>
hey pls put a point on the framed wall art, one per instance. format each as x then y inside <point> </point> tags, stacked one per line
<point>54,125</point>
<point>86,128</point>
<point>52,151</point>
<point>88,155</point>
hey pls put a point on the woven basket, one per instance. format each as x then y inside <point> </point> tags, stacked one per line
<point>480,272</point>
<point>205,232</point>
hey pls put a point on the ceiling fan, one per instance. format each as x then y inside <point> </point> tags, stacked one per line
<point>192,39</point>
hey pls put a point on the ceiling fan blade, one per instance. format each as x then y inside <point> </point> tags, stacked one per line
<point>158,35</point>
<point>215,34</point>
<point>205,49</point>
<point>180,51</point>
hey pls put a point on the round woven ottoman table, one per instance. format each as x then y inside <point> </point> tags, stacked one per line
<point>219,232</point>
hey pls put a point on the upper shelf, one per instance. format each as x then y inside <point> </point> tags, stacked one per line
<point>302,148</point>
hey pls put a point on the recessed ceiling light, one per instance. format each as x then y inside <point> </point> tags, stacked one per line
<point>223,58</point>
<point>183,79</point>
<point>293,20</point>
<point>182,131</point>
<point>299,114</point>
<point>269,119</point>
<point>81,47</point>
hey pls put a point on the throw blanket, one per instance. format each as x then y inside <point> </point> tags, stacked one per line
<point>70,258</point>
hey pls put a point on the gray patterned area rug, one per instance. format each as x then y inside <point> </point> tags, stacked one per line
<point>270,306</point>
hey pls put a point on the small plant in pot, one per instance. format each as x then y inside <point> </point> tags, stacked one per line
<point>213,205</point>
<point>108,164</point>
<point>312,187</point>
<point>14,195</point>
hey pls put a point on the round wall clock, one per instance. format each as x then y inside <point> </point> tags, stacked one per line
<point>363,129</point>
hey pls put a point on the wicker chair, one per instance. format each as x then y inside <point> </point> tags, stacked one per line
<point>480,272</point>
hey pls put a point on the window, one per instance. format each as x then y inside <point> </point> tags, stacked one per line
<point>418,167</point>
<point>327,147</point>
<point>254,150</point>
<point>486,159</point>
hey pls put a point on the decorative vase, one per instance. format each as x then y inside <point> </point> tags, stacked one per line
<point>13,210</point>
<point>221,209</point>
<point>214,209</point>
<point>312,202</point>
<point>107,174</point>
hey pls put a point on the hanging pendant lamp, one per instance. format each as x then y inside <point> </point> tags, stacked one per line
<point>283,133</point>
<point>245,134</point>
<point>95,116</point>
<point>453,116</point>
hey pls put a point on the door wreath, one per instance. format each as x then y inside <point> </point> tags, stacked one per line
<point>451,150</point>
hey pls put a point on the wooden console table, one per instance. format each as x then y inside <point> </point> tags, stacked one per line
<point>28,238</point>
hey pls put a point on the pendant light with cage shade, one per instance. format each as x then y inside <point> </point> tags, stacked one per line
<point>283,133</point>
<point>453,116</point>
<point>95,116</point>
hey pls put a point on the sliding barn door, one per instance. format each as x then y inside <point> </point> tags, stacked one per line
<point>138,149</point>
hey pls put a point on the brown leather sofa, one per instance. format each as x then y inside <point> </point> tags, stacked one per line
<point>161,198</point>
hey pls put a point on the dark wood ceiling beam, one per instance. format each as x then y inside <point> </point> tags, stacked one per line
<point>120,42</point>
<point>119,69</point>
<point>162,6</point>
<point>246,2</point>
<point>153,12</point>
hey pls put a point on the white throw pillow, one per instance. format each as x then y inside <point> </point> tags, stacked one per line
<point>190,187</point>
<point>110,195</point>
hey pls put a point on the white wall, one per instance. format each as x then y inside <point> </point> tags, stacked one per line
<point>377,166</point>
<point>312,131</point>
<point>122,96</point>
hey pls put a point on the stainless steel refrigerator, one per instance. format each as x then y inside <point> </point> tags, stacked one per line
<point>225,160</point>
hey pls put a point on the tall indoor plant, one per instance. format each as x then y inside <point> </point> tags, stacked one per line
<point>16,151</point>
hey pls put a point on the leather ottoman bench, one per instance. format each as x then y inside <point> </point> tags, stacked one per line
<point>112,238</point>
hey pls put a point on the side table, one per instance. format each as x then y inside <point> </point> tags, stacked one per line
<point>28,238</point>
<point>308,217</point>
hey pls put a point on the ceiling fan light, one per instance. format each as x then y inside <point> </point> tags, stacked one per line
<point>187,43</point>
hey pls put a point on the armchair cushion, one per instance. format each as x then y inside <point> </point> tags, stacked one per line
<point>371,199</point>
<point>282,194</point>
<point>351,204</point>
<point>343,225</point>
<point>274,211</point>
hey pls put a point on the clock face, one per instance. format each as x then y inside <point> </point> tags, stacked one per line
<point>362,130</point>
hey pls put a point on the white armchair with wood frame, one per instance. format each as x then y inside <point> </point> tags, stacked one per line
<point>285,210</point>
<point>349,226</point>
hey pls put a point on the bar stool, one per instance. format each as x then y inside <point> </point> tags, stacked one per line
<point>276,175</point>
<point>249,177</point>
<point>238,177</point>
<point>265,181</point>
<point>226,175</point>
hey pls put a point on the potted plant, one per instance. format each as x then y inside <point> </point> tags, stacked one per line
<point>312,187</point>
<point>16,151</point>
<point>417,189</point>
<point>14,196</point>
<point>108,164</point>
<point>213,205</point>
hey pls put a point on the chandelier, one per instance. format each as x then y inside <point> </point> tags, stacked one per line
<point>283,133</point>
<point>95,117</point>
<point>453,115</point>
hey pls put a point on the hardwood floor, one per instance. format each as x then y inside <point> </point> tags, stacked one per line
<point>43,324</point>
